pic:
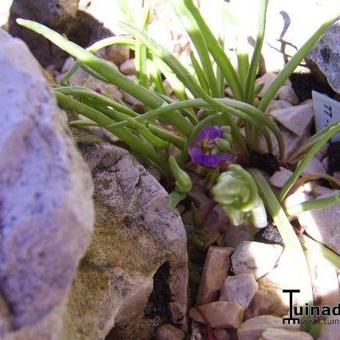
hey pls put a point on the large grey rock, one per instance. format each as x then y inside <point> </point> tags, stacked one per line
<point>139,247</point>
<point>46,200</point>
<point>326,55</point>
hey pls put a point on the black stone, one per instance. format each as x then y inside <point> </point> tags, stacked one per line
<point>266,162</point>
<point>269,235</point>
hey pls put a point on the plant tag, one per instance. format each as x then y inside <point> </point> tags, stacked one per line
<point>326,111</point>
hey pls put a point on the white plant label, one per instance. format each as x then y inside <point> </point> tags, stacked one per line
<point>326,112</point>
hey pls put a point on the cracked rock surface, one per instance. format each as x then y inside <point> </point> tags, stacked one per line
<point>136,235</point>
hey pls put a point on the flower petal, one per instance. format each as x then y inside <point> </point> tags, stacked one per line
<point>210,132</point>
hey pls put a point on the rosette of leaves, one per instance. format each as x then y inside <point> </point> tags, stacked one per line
<point>236,192</point>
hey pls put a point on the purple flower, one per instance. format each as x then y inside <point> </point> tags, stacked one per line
<point>204,150</point>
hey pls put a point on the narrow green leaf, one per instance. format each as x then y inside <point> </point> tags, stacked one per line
<point>123,41</point>
<point>317,203</point>
<point>108,70</point>
<point>327,135</point>
<point>216,50</point>
<point>316,247</point>
<point>198,41</point>
<point>199,73</point>
<point>124,134</point>
<point>291,241</point>
<point>255,60</point>
<point>292,64</point>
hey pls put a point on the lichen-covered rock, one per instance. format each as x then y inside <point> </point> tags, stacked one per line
<point>46,200</point>
<point>138,249</point>
<point>326,55</point>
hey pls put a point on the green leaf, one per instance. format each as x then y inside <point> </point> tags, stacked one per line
<point>198,41</point>
<point>255,60</point>
<point>322,140</point>
<point>216,51</point>
<point>291,241</point>
<point>292,64</point>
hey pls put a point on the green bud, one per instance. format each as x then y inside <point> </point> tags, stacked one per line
<point>236,192</point>
<point>183,181</point>
<point>222,144</point>
<point>236,188</point>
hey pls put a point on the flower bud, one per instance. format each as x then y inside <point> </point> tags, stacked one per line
<point>183,181</point>
<point>222,144</point>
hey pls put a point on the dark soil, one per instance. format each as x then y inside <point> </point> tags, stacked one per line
<point>304,83</point>
<point>333,153</point>
<point>266,162</point>
<point>161,296</point>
